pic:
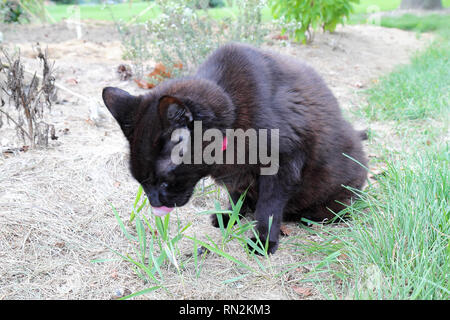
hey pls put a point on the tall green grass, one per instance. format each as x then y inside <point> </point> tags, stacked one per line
<point>419,90</point>
<point>397,245</point>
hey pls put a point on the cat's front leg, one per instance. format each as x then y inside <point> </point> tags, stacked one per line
<point>272,199</point>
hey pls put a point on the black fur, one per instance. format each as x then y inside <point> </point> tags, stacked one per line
<point>239,86</point>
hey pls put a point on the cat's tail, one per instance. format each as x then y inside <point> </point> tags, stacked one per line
<point>362,134</point>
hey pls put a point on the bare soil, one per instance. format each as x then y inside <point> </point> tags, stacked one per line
<point>55,213</point>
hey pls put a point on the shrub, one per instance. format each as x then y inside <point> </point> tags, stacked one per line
<point>18,11</point>
<point>300,18</point>
<point>216,3</point>
<point>11,11</point>
<point>66,1</point>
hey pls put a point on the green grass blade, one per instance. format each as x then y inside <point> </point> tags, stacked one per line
<point>122,226</point>
<point>243,276</point>
<point>142,238</point>
<point>136,201</point>
<point>139,293</point>
<point>216,250</point>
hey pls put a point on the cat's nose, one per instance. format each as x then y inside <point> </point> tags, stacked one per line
<point>153,197</point>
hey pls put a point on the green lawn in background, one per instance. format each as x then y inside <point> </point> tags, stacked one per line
<point>384,5</point>
<point>410,22</point>
<point>103,12</point>
<point>125,11</point>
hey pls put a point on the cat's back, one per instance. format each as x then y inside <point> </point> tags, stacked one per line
<point>273,90</point>
<point>266,76</point>
<point>232,59</point>
<point>237,68</point>
<point>244,73</point>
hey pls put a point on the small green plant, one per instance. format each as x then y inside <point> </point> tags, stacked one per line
<point>11,11</point>
<point>235,229</point>
<point>301,18</point>
<point>154,244</point>
<point>18,11</point>
<point>216,3</point>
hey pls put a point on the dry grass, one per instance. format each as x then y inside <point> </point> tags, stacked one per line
<point>55,214</point>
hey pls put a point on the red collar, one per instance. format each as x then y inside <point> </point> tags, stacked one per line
<point>224,144</point>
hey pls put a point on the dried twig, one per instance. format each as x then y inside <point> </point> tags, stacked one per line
<point>96,112</point>
<point>17,125</point>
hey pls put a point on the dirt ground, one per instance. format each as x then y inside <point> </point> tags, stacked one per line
<point>55,214</point>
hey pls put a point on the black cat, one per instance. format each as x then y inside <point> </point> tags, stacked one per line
<point>241,87</point>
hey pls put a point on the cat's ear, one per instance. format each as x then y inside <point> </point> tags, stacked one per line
<point>173,112</point>
<point>123,107</point>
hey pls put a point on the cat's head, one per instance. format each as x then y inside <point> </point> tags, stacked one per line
<point>148,123</point>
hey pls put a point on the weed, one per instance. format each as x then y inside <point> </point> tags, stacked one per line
<point>154,245</point>
<point>235,229</point>
<point>11,11</point>
<point>306,16</point>
<point>29,99</point>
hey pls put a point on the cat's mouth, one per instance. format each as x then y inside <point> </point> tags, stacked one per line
<point>161,211</point>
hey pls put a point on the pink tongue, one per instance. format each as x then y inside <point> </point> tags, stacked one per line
<point>161,211</point>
